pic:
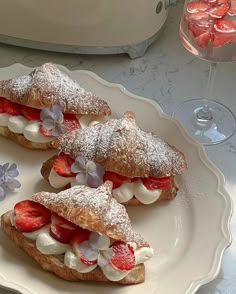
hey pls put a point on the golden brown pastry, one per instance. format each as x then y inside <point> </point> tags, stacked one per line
<point>23,99</point>
<point>81,233</point>
<point>141,166</point>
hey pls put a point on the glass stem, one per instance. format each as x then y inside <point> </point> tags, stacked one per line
<point>205,114</point>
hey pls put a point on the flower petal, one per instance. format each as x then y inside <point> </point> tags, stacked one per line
<point>81,178</point>
<point>11,184</point>
<point>104,257</point>
<point>2,193</point>
<point>48,124</point>
<point>58,130</point>
<point>90,166</point>
<point>94,181</point>
<point>88,252</point>
<point>5,166</point>
<point>45,114</point>
<point>56,110</point>
<point>81,162</point>
<point>12,170</point>
<point>99,242</point>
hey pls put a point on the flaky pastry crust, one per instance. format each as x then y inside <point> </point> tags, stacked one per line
<point>46,86</point>
<point>120,146</point>
<point>54,263</point>
<point>94,210</point>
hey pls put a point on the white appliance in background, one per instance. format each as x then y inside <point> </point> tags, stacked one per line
<point>83,26</point>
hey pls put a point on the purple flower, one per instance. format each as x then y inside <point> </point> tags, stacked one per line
<point>97,248</point>
<point>8,183</point>
<point>52,120</point>
<point>88,172</point>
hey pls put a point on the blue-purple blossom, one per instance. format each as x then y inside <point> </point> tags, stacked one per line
<point>52,120</point>
<point>88,172</point>
<point>8,183</point>
<point>97,248</point>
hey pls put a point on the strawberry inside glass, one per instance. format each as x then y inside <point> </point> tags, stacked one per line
<point>208,29</point>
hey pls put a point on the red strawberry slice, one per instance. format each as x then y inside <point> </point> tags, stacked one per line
<point>156,183</point>
<point>80,236</point>
<point>62,165</point>
<point>1,104</point>
<point>30,112</point>
<point>232,9</point>
<point>61,234</point>
<point>219,10</point>
<point>71,122</point>
<point>87,262</point>
<point>196,6</point>
<point>45,132</point>
<point>203,40</point>
<point>123,256</point>
<point>30,216</point>
<point>224,32</point>
<point>11,107</point>
<point>59,220</point>
<point>116,179</point>
<point>225,26</point>
<point>199,16</point>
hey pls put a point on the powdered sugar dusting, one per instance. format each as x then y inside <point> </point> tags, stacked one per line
<point>121,146</point>
<point>100,202</point>
<point>53,86</point>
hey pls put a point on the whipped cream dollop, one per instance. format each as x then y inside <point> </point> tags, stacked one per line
<point>122,194</point>
<point>30,129</point>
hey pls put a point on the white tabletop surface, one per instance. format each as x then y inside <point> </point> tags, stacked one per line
<point>169,75</point>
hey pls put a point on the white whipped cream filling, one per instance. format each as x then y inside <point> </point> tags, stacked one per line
<point>30,128</point>
<point>47,245</point>
<point>122,194</point>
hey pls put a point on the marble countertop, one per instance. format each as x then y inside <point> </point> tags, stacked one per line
<point>169,75</point>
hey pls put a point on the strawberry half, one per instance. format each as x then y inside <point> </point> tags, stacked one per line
<point>1,104</point>
<point>11,107</point>
<point>203,39</point>
<point>62,165</point>
<point>61,233</point>
<point>232,9</point>
<point>30,113</point>
<point>196,6</point>
<point>156,183</point>
<point>219,10</point>
<point>30,216</point>
<point>224,32</point>
<point>71,122</point>
<point>116,179</point>
<point>123,256</point>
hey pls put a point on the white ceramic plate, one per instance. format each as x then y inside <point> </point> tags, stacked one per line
<point>188,234</point>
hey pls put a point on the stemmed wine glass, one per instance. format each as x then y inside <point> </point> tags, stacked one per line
<point>208,31</point>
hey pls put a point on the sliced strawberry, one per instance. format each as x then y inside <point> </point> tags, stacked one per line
<point>116,179</point>
<point>11,107</point>
<point>123,256</point>
<point>224,32</point>
<point>1,104</point>
<point>87,262</point>
<point>196,6</point>
<point>156,183</point>
<point>225,26</point>
<point>62,165</point>
<point>45,132</point>
<point>232,9</point>
<point>219,10</point>
<point>71,122</point>
<point>30,216</point>
<point>58,220</point>
<point>30,112</point>
<point>199,16</point>
<point>203,40</point>
<point>80,235</point>
<point>61,234</point>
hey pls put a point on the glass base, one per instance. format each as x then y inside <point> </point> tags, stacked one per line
<point>218,128</point>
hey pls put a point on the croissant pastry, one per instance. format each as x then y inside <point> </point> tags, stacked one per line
<point>23,99</point>
<point>78,234</point>
<point>141,166</point>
